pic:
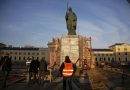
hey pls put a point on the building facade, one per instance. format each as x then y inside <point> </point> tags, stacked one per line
<point>119,52</point>
<point>103,55</point>
<point>24,53</point>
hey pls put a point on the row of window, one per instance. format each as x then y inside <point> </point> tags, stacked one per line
<point>109,54</point>
<point>110,59</point>
<point>103,54</point>
<point>22,53</point>
<point>104,59</point>
<point>21,58</point>
<point>124,53</point>
<point>125,49</point>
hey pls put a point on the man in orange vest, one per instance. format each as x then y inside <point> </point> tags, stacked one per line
<point>67,70</point>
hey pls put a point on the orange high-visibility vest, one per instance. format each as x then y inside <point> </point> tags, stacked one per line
<point>68,69</point>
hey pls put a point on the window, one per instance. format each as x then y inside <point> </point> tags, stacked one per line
<point>102,54</point>
<point>15,58</point>
<point>37,53</point>
<point>19,58</point>
<point>104,59</point>
<point>119,59</point>
<point>15,53</point>
<point>96,59</point>
<point>125,53</point>
<point>118,49</point>
<point>126,59</point>
<point>28,53</point>
<point>23,58</point>
<point>119,53</point>
<point>125,49</point>
<point>19,53</point>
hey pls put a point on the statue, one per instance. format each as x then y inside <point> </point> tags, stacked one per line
<point>71,21</point>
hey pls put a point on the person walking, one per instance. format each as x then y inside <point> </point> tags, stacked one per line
<point>33,70</point>
<point>67,70</point>
<point>6,68</point>
<point>42,69</point>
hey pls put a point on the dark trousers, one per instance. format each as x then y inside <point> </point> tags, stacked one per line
<point>33,74</point>
<point>6,74</point>
<point>67,84</point>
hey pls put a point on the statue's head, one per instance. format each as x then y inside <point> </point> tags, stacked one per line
<point>70,9</point>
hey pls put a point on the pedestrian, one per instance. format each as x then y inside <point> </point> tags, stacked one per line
<point>33,70</point>
<point>42,69</point>
<point>6,68</point>
<point>67,70</point>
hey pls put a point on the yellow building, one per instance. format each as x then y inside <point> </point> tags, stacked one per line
<point>121,52</point>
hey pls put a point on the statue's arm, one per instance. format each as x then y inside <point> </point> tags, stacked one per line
<point>75,17</point>
<point>66,16</point>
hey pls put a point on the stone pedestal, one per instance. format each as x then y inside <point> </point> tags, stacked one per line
<point>70,47</point>
<point>74,46</point>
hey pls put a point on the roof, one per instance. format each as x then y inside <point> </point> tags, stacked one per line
<point>103,50</point>
<point>117,44</point>
<point>19,48</point>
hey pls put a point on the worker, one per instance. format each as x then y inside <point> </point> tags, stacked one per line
<point>67,70</point>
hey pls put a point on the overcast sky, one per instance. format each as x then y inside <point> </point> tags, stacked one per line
<point>36,22</point>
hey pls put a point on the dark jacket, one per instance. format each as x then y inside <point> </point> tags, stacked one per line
<point>34,65</point>
<point>43,65</point>
<point>7,64</point>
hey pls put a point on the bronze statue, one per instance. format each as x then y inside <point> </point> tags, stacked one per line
<point>71,21</point>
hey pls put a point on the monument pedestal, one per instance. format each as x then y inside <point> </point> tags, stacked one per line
<point>76,47</point>
<point>70,47</point>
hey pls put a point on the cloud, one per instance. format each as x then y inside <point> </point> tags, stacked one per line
<point>106,21</point>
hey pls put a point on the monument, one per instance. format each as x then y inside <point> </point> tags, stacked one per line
<point>77,47</point>
<point>71,21</point>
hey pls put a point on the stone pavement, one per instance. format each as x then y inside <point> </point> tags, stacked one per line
<point>56,85</point>
<point>94,79</point>
<point>80,82</point>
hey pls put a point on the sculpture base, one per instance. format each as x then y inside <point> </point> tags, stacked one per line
<point>70,47</point>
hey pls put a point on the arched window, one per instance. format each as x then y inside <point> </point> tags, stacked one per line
<point>19,58</point>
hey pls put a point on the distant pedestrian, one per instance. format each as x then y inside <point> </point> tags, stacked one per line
<point>6,64</point>
<point>67,70</point>
<point>33,70</point>
<point>42,69</point>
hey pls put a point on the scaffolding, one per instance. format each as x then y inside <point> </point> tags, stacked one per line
<point>85,52</point>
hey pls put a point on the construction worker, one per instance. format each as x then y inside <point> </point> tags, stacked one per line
<point>67,70</point>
